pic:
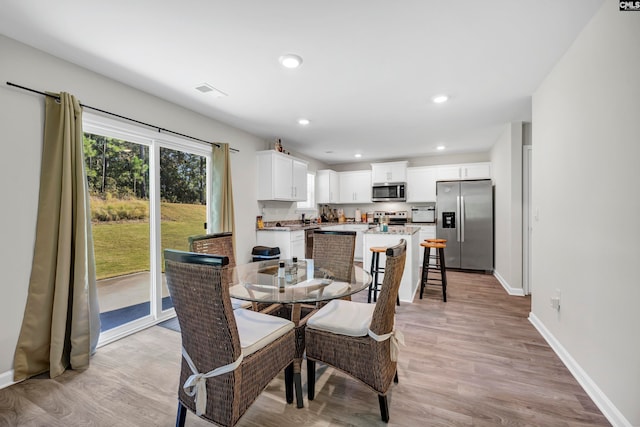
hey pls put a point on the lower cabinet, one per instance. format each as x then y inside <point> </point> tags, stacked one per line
<point>291,243</point>
<point>426,232</point>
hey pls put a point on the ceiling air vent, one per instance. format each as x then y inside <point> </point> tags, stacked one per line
<point>206,88</point>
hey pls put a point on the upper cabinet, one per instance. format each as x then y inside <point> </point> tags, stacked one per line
<point>281,177</point>
<point>327,186</point>
<point>421,184</point>
<point>388,172</point>
<point>464,171</point>
<point>355,187</point>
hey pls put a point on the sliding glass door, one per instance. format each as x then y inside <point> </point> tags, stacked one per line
<point>147,194</point>
<point>183,202</point>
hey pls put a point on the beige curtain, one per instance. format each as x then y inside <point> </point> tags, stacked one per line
<point>221,191</point>
<point>61,321</point>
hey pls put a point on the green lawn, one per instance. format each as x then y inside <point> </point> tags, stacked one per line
<point>123,247</point>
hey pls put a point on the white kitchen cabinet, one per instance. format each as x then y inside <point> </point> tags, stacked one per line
<point>291,243</point>
<point>421,184</point>
<point>359,229</point>
<point>389,172</point>
<point>299,174</point>
<point>281,177</point>
<point>355,187</point>
<point>327,186</point>
<point>426,232</point>
<point>297,240</point>
<point>464,171</point>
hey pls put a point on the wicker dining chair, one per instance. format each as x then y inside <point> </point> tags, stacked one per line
<point>239,351</point>
<point>334,250</point>
<point>359,338</point>
<point>218,244</point>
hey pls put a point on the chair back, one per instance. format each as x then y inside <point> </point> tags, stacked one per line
<point>334,250</point>
<point>384,313</point>
<point>216,244</point>
<point>209,333</point>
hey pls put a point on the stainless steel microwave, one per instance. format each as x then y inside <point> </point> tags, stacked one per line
<point>389,192</point>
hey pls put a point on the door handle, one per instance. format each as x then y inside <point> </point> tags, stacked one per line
<point>458,234</point>
<point>462,218</point>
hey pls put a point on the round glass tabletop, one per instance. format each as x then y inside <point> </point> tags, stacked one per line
<point>299,282</point>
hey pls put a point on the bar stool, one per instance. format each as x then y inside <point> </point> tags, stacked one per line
<point>374,287</point>
<point>435,257</point>
<point>439,267</point>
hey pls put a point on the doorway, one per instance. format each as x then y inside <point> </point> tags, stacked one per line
<point>148,193</point>
<point>527,158</point>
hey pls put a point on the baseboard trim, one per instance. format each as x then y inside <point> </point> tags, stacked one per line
<point>603,403</point>
<point>6,379</point>
<point>510,290</point>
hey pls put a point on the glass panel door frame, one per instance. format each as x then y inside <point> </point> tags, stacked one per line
<point>106,126</point>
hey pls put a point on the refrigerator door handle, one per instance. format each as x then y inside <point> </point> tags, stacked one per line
<point>462,219</point>
<point>459,226</point>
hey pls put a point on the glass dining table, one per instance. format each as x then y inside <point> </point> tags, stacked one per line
<point>295,291</point>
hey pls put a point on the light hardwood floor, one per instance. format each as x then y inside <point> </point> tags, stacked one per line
<point>473,361</point>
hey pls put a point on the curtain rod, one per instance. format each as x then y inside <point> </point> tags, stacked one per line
<point>123,117</point>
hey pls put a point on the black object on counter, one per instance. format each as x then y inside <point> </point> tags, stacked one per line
<point>262,253</point>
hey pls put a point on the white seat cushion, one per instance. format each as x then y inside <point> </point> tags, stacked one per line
<point>252,293</point>
<point>343,318</point>
<point>256,330</point>
<point>238,303</point>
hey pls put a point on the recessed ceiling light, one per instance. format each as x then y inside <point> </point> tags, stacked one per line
<point>439,99</point>
<point>440,147</point>
<point>357,155</point>
<point>303,122</point>
<point>291,60</point>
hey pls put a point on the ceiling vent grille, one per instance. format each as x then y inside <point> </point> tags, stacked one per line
<point>207,88</point>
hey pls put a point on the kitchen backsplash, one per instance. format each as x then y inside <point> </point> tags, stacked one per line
<point>282,211</point>
<point>288,211</point>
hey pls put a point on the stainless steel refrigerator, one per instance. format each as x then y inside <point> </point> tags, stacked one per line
<point>465,219</point>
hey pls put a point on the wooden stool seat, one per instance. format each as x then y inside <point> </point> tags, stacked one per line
<point>439,246</point>
<point>374,287</point>
<point>434,245</point>
<point>436,240</point>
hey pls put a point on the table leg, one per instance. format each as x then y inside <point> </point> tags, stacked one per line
<point>296,310</point>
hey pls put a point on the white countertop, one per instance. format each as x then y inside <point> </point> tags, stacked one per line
<point>395,230</point>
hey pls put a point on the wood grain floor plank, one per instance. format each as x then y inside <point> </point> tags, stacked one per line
<point>473,361</point>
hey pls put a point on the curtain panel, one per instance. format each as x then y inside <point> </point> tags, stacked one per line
<point>222,213</point>
<point>61,323</point>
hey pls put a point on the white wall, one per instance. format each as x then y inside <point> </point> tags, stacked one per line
<point>441,159</point>
<point>21,122</point>
<point>586,129</point>
<point>506,167</point>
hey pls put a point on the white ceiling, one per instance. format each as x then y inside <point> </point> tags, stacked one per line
<point>370,66</point>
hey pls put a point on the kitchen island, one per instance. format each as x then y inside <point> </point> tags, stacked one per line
<point>411,274</point>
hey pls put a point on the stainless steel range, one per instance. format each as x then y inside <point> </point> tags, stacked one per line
<point>394,218</point>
